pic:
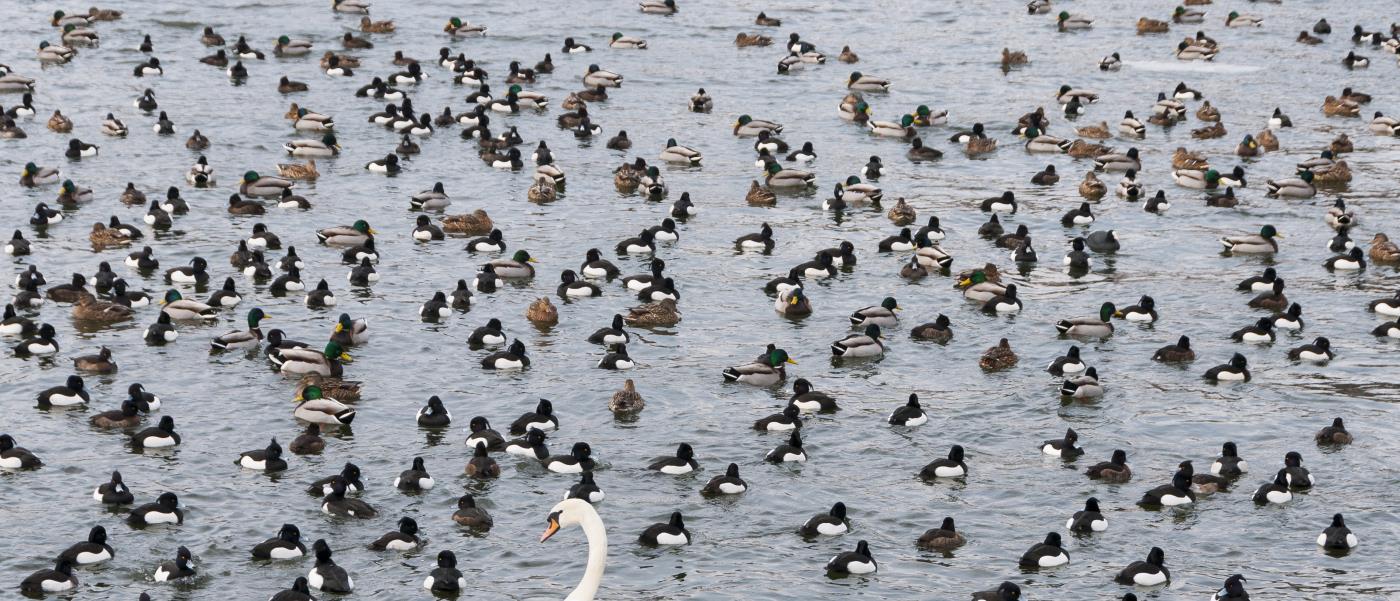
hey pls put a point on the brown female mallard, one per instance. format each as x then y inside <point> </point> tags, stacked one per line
<point>476,223</point>
<point>661,313</point>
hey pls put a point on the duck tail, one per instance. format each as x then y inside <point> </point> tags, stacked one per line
<point>838,349</point>
<point>731,374</point>
<point>1063,326</point>
<point>1068,388</point>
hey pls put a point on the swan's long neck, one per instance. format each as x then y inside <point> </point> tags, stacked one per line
<point>587,588</point>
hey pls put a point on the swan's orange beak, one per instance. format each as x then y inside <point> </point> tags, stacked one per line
<point>552,528</point>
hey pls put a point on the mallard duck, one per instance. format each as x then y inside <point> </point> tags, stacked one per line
<point>251,337</point>
<point>1335,107</point>
<point>1335,172</point>
<point>325,147</point>
<point>327,362</point>
<point>778,177</point>
<point>368,26</point>
<point>517,267</point>
<point>1118,162</point>
<point>103,236</point>
<point>298,171</point>
<point>1067,22</point>
<point>456,27</point>
<point>1146,25</point>
<point>1235,19</point>
<point>314,407</point>
<point>979,145</point>
<point>596,77</point>
<point>1039,142</point>
<point>1209,132</point>
<point>1384,126</point>
<point>1098,131</point>
<point>1293,187</point>
<point>1383,250</point>
<point>179,307</point>
<point>1265,242</point>
<point>1089,327</point>
<point>768,372</point>
<point>675,153</point>
<point>661,313</point>
<point>748,126</point>
<point>1091,187</point>
<point>89,308</point>
<point>903,129</point>
<point>1184,159</point>
<point>999,357</point>
<point>262,186</point>
<point>659,7</point>
<point>471,224</point>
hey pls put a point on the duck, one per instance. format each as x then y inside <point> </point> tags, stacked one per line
<point>88,308</point>
<point>309,441</point>
<point>178,307</point>
<point>268,459</point>
<point>950,467</point>
<point>326,146</point>
<point>100,363</point>
<point>785,420</point>
<point>415,478</point>
<point>320,296</point>
<point>1144,310</point>
<point>471,516</point>
<point>728,484</point>
<point>326,576</point>
<point>41,343</point>
<point>112,492</point>
<point>56,580</point>
<point>1176,353</point>
<point>1265,242</point>
<point>165,510</point>
<point>911,414</point>
<point>790,452</point>
<point>577,461</point>
<point>1176,493</point>
<point>389,165</point>
<point>474,223</point>
<point>1333,434</point>
<point>1261,332</point>
<point>1089,327</point>
<point>355,234</point>
<point>1275,492</point>
<point>336,503</point>
<point>1064,447</point>
<point>162,435</point>
<point>13,457</point>
<point>252,337</point>
<point>943,538</point>
<point>532,445</point>
<point>1068,22</point>
<point>286,545</point>
<point>70,394</point>
<point>513,358</point>
<point>1337,536</point>
<point>1149,572</point>
<point>661,313</point>
<point>1354,260</point>
<point>328,362</point>
<point>683,462</point>
<point>483,436</point>
<point>1114,470</point>
<point>761,373</point>
<point>1297,476</point>
<point>1045,554</point>
<point>1235,370</point>
<point>853,562</point>
<point>1316,352</point>
<point>597,77</point>
<point>865,344</point>
<point>830,523</point>
<point>1272,297</point>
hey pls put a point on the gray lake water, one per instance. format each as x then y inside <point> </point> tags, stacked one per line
<point>941,54</point>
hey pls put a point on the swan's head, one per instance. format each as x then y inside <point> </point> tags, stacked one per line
<point>569,512</point>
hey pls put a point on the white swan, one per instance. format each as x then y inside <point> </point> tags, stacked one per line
<point>577,512</point>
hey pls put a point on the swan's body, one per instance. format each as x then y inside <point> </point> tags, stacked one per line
<point>577,512</point>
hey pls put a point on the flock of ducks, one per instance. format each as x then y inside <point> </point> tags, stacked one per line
<point>325,397</point>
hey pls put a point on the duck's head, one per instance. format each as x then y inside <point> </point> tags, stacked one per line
<point>334,351</point>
